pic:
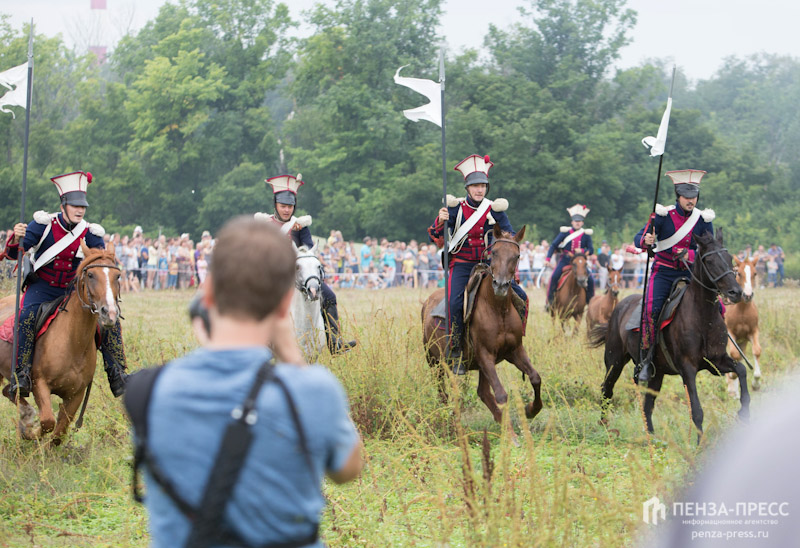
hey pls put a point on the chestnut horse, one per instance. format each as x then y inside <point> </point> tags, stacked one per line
<point>494,330</point>
<point>601,306</point>
<point>742,322</point>
<point>696,338</point>
<point>65,356</point>
<point>569,300</point>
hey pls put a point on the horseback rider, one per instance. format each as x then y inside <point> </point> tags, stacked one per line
<point>55,240</point>
<point>284,193</point>
<point>570,240</point>
<point>669,234</point>
<point>470,221</point>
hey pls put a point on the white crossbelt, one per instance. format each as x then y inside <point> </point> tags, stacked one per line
<point>51,252</point>
<point>288,225</point>
<point>663,245</point>
<point>462,231</point>
<point>569,238</point>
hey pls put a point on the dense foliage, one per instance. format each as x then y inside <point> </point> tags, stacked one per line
<point>193,112</point>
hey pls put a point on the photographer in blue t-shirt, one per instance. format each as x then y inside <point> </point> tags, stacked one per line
<point>277,498</point>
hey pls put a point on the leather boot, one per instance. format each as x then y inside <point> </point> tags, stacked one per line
<point>21,384</point>
<point>114,359</point>
<point>644,371</point>
<point>336,345</point>
<point>455,360</point>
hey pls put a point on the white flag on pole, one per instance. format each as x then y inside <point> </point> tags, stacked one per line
<point>658,143</point>
<point>16,80</point>
<point>431,111</point>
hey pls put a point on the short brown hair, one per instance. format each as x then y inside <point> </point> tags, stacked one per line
<point>252,267</point>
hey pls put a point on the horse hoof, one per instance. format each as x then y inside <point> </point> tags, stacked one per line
<point>30,432</point>
<point>756,383</point>
<point>532,410</point>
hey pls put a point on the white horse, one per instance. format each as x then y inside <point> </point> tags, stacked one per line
<point>306,307</point>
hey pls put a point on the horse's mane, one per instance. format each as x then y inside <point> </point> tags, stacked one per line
<point>91,254</point>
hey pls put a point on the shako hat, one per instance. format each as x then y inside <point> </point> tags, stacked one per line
<point>475,169</point>
<point>284,188</point>
<point>578,212</point>
<point>686,181</point>
<point>72,187</point>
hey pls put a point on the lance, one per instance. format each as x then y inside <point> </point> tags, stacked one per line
<point>20,249</point>
<point>445,252</point>
<point>664,126</point>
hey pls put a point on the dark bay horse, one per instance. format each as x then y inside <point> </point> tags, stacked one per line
<point>494,331</point>
<point>569,300</point>
<point>742,322</point>
<point>65,356</point>
<point>695,339</point>
<point>601,306</point>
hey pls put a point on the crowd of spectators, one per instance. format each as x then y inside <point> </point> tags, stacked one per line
<point>769,264</point>
<point>161,263</point>
<point>157,263</point>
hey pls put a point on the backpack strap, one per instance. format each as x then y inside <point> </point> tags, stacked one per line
<point>207,526</point>
<point>138,391</point>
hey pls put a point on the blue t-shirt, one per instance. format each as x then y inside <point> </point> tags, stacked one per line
<point>276,499</point>
<point>366,258</point>
<point>388,259</point>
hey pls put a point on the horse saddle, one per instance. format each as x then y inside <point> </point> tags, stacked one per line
<point>676,293</point>
<point>479,272</point>
<point>565,272</point>
<point>44,316</point>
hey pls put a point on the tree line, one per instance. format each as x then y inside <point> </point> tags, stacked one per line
<point>189,115</point>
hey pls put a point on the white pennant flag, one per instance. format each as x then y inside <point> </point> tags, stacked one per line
<point>431,111</point>
<point>658,143</point>
<point>16,80</point>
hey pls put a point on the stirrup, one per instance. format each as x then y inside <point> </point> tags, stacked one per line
<point>455,360</point>
<point>643,372</point>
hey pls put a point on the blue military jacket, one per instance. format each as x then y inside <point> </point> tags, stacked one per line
<point>666,222</point>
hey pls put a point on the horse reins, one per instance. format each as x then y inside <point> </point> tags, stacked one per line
<point>82,284</point>
<point>485,254</point>
<point>707,272</point>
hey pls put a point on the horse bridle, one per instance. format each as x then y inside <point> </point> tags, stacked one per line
<point>707,272</point>
<point>82,284</point>
<point>489,248</point>
<point>304,287</point>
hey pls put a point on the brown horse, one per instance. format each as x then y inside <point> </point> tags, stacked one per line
<point>742,322</point>
<point>569,300</point>
<point>601,306</point>
<point>695,339</point>
<point>65,356</point>
<point>494,330</point>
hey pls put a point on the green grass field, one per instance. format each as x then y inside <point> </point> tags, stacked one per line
<point>436,475</point>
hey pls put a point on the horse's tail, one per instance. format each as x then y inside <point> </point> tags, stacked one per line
<point>597,335</point>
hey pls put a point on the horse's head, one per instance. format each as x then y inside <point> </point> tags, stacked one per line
<point>505,256</point>
<point>746,275</point>
<point>97,284</point>
<point>580,269</point>
<point>614,280</point>
<point>308,274</point>
<point>713,269</point>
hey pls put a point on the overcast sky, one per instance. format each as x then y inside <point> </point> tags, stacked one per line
<point>695,34</point>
